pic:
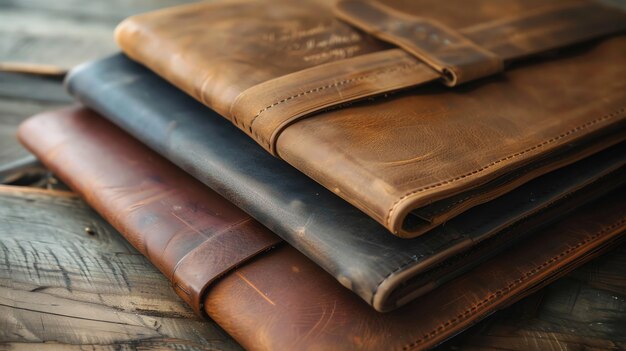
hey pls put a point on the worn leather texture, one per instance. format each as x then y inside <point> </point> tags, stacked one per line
<point>384,270</point>
<point>276,68</point>
<point>327,322</point>
<point>280,300</point>
<point>168,216</point>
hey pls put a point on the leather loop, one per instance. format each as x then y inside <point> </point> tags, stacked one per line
<point>455,57</point>
<point>218,255</point>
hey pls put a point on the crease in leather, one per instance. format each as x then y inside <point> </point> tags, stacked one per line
<point>142,203</point>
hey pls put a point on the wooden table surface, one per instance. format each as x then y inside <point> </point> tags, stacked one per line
<point>69,281</point>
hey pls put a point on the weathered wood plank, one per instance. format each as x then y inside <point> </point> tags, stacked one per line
<point>33,87</point>
<point>30,37</point>
<point>67,278</point>
<point>49,36</point>
<point>62,34</point>
<point>104,10</point>
<point>12,113</point>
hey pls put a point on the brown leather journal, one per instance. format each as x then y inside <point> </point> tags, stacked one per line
<point>266,294</point>
<point>300,78</point>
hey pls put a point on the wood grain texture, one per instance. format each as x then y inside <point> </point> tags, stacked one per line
<point>40,36</point>
<point>585,310</point>
<point>61,34</point>
<point>69,281</point>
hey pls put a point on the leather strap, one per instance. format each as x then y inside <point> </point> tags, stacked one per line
<point>455,57</point>
<point>218,255</point>
<point>265,110</point>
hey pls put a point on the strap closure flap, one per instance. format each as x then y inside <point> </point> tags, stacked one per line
<point>218,255</point>
<point>455,57</point>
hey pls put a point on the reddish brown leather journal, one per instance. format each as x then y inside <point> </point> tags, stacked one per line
<point>270,296</point>
<point>295,76</point>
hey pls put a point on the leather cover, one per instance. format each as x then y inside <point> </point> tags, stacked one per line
<point>384,270</point>
<point>162,211</point>
<point>268,65</point>
<point>278,299</point>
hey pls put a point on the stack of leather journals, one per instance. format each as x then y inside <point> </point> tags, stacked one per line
<point>353,174</point>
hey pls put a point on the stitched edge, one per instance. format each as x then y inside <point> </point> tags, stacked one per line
<point>486,191</point>
<point>328,86</point>
<point>474,309</point>
<point>507,158</point>
<point>463,234</point>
